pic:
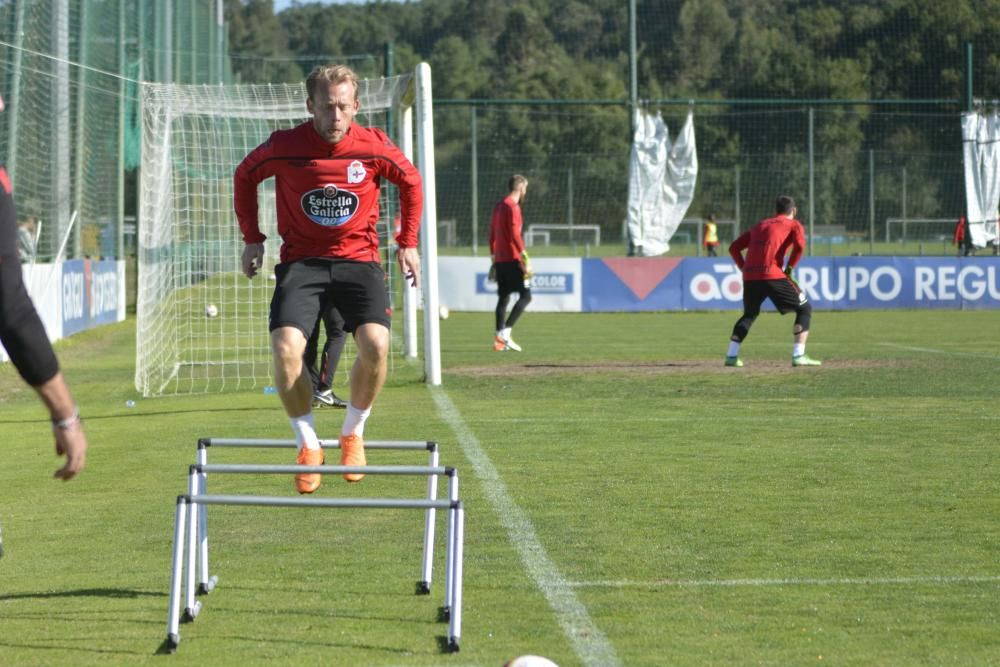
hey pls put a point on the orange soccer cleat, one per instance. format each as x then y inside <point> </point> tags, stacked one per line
<point>308,482</point>
<point>352,453</point>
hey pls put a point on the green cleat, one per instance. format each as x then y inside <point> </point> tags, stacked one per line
<point>805,360</point>
<point>735,362</point>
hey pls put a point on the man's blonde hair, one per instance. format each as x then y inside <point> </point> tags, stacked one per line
<point>516,181</point>
<point>327,74</point>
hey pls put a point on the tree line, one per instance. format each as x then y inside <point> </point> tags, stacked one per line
<point>718,52</point>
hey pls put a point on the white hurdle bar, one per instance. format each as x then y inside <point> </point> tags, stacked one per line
<point>198,472</point>
<point>186,511</point>
<point>207,583</point>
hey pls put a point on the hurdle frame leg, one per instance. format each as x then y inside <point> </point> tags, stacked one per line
<point>176,572</point>
<point>455,622</point>
<point>205,582</point>
<point>192,606</point>
<point>449,561</point>
<point>427,567</point>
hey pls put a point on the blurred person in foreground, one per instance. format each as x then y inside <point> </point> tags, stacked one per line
<point>510,268</point>
<point>766,275</point>
<point>23,336</point>
<point>328,173</point>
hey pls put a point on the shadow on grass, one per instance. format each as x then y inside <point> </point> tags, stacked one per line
<point>110,593</point>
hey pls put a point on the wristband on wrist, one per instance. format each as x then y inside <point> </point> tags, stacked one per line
<point>69,421</point>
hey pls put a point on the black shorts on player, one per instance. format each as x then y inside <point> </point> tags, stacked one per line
<point>510,279</point>
<point>785,296</point>
<point>782,292</point>
<point>305,288</point>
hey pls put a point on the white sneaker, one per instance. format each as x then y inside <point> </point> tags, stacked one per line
<point>503,342</point>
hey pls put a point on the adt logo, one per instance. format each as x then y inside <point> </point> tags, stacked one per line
<point>724,282</point>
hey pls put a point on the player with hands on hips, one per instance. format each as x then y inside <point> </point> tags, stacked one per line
<point>766,275</point>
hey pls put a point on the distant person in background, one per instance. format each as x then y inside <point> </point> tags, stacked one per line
<point>26,231</point>
<point>711,237</point>
<point>23,336</point>
<point>963,242</point>
<point>766,275</point>
<point>323,375</point>
<point>510,263</point>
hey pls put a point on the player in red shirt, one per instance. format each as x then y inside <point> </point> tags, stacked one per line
<point>328,172</point>
<point>767,276</point>
<point>510,266</point>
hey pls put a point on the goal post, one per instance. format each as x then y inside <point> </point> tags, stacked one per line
<point>189,242</point>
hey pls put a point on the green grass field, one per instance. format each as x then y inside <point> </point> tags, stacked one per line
<point>628,501</point>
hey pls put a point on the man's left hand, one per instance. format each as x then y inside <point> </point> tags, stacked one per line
<point>409,265</point>
<point>790,272</point>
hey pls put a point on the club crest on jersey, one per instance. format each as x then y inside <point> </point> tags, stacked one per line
<point>356,172</point>
<point>329,206</point>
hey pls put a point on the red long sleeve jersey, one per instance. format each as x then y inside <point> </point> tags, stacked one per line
<point>506,242</point>
<point>327,194</point>
<point>766,244</point>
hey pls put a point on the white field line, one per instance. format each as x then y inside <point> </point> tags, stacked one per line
<point>587,640</point>
<point>847,581</point>
<point>931,350</point>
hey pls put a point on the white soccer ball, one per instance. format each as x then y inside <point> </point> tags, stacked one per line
<point>443,312</point>
<point>211,310</point>
<point>530,661</point>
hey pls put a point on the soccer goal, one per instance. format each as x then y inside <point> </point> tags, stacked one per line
<point>201,324</point>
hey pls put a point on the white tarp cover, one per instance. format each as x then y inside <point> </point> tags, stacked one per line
<point>661,182</point>
<point>981,153</point>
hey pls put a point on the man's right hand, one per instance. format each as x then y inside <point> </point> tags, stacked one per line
<point>71,443</point>
<point>253,259</point>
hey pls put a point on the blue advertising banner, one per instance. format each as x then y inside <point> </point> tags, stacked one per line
<point>632,284</point>
<point>831,283</point>
<point>91,294</point>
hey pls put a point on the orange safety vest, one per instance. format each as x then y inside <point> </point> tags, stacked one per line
<point>711,234</point>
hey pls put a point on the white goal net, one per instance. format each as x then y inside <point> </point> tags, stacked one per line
<point>189,242</point>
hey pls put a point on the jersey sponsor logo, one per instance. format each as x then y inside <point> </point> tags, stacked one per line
<point>329,206</point>
<point>356,172</point>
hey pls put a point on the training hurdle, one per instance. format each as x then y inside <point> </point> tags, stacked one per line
<point>186,512</point>
<point>207,582</point>
<point>196,479</point>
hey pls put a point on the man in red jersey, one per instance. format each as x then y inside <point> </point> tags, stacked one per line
<point>510,265</point>
<point>328,173</point>
<point>767,276</point>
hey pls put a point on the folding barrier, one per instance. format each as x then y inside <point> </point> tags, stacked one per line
<point>190,527</point>
<point>207,582</point>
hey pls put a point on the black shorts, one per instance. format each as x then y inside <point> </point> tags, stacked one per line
<point>782,292</point>
<point>306,287</point>
<point>510,279</point>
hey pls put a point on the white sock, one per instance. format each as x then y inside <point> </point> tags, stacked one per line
<point>798,349</point>
<point>734,349</point>
<point>505,333</point>
<point>354,420</point>
<point>305,431</point>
